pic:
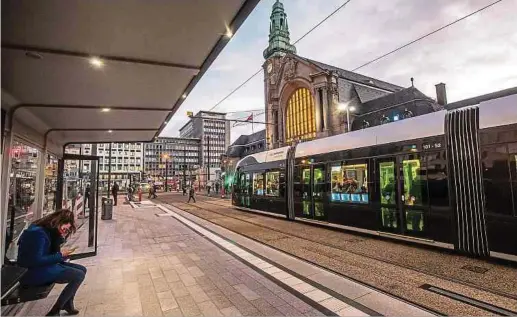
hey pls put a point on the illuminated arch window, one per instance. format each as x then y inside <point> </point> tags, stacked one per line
<point>300,116</point>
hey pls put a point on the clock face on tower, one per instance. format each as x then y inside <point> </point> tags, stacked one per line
<point>269,67</point>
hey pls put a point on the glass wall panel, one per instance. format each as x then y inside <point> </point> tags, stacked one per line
<point>49,201</point>
<point>22,193</point>
<point>272,183</point>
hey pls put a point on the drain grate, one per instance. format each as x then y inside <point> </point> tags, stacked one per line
<point>475,269</point>
<point>468,300</point>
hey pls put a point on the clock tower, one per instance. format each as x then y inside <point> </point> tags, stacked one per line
<point>279,46</point>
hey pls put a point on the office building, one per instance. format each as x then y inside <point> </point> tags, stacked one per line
<point>178,158</point>
<point>214,132</point>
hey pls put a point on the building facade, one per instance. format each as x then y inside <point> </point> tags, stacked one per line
<point>214,132</point>
<point>307,99</point>
<point>177,158</point>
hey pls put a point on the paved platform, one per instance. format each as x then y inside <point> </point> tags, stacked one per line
<point>153,266</point>
<point>159,261</point>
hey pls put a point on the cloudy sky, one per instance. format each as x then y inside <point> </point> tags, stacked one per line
<point>473,57</point>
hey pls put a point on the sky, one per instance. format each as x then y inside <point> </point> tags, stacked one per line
<point>473,57</point>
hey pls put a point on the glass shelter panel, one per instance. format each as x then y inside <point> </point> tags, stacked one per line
<point>22,194</point>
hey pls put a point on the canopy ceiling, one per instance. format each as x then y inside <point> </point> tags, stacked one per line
<point>153,53</point>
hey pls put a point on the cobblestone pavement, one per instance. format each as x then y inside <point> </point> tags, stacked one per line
<point>396,268</point>
<point>153,266</point>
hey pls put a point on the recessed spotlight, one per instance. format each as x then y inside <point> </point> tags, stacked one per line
<point>110,131</point>
<point>165,122</point>
<point>229,33</point>
<point>96,62</point>
<point>106,110</point>
<point>184,96</point>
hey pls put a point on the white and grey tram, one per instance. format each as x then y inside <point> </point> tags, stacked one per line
<point>448,178</point>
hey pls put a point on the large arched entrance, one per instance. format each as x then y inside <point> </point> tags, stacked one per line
<point>300,123</point>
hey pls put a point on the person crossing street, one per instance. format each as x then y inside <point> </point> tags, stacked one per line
<point>191,193</point>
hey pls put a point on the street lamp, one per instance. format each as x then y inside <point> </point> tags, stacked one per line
<point>345,106</point>
<point>166,157</point>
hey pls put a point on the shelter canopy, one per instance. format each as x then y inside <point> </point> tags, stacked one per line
<point>152,55</point>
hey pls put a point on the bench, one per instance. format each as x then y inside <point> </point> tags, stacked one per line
<point>14,293</point>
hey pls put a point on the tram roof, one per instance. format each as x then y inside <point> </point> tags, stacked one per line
<point>153,55</point>
<point>498,111</point>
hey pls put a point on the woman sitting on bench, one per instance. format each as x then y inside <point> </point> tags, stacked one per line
<point>41,253</point>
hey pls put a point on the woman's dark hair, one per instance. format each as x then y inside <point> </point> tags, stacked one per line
<point>56,219</point>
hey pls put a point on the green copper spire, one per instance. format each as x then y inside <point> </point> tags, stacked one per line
<point>278,33</point>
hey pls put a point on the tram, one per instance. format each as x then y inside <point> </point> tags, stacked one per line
<point>447,178</point>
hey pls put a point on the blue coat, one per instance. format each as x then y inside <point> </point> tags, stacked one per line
<point>34,254</point>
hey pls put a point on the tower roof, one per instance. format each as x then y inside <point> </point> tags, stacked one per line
<point>279,41</point>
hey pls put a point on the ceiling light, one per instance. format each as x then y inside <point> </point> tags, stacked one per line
<point>106,110</point>
<point>110,131</point>
<point>96,62</point>
<point>184,96</point>
<point>229,33</point>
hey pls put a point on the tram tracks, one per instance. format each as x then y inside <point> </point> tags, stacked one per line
<point>284,237</point>
<point>448,278</point>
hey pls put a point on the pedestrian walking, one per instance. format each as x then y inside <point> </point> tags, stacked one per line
<point>114,192</point>
<point>87,193</point>
<point>184,190</point>
<point>217,187</point>
<point>191,193</point>
<point>208,189</point>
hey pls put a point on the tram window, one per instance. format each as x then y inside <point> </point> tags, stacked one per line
<point>496,179</point>
<point>258,184</point>
<point>306,179</point>
<point>495,163</point>
<point>415,191</point>
<point>272,183</point>
<point>387,182</point>
<point>349,183</point>
<point>437,179</point>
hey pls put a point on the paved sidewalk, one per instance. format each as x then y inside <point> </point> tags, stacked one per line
<point>152,265</point>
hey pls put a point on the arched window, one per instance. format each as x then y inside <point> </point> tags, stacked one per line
<point>300,116</point>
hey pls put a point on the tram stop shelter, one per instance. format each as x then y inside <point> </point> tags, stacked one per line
<point>94,72</point>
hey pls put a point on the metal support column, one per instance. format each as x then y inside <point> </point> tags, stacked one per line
<point>109,171</point>
<point>4,191</point>
<point>60,182</point>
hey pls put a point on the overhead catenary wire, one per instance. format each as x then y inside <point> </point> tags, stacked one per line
<point>294,43</point>
<point>425,35</point>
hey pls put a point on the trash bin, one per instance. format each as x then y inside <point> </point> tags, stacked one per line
<point>107,209</point>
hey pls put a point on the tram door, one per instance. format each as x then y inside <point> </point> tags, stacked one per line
<point>402,194</point>
<point>313,192</point>
<point>79,176</point>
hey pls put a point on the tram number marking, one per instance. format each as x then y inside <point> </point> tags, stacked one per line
<point>430,146</point>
